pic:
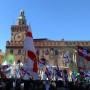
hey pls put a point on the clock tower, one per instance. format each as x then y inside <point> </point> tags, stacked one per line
<point>18,35</point>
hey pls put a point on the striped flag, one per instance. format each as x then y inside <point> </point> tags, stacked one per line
<point>31,62</point>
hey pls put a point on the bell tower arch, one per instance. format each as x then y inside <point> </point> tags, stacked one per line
<point>21,19</point>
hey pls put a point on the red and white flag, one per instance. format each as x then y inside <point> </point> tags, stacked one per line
<point>24,73</point>
<point>31,62</point>
<point>84,52</point>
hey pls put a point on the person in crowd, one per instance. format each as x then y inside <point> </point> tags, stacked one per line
<point>60,85</point>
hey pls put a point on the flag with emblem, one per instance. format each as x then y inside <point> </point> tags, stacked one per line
<point>31,62</point>
<point>84,52</point>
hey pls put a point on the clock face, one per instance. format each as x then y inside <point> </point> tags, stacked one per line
<point>18,37</point>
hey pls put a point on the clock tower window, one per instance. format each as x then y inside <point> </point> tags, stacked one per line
<point>19,22</point>
<point>21,19</point>
<point>22,23</point>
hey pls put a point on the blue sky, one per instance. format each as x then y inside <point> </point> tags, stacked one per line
<point>52,19</point>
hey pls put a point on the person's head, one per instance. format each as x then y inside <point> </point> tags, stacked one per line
<point>60,83</point>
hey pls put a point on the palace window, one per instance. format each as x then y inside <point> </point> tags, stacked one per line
<point>19,22</point>
<point>56,52</point>
<point>82,43</point>
<point>11,51</point>
<point>23,23</point>
<point>18,61</point>
<point>46,52</point>
<point>20,28</point>
<point>19,52</point>
<point>86,43</point>
<point>37,52</point>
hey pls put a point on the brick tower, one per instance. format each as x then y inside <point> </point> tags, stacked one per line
<point>18,34</point>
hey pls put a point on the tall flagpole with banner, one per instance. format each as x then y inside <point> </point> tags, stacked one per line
<point>30,65</point>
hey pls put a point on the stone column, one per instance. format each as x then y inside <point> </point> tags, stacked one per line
<point>75,60</point>
<point>61,59</point>
<point>62,55</point>
<point>73,57</point>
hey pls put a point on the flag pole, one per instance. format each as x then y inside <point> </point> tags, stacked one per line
<point>22,53</point>
<point>25,55</point>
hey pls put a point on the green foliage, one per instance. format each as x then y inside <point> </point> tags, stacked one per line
<point>9,58</point>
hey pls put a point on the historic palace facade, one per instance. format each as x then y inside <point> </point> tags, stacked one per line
<point>53,51</point>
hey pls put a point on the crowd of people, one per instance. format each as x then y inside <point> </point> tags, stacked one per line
<point>20,84</point>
